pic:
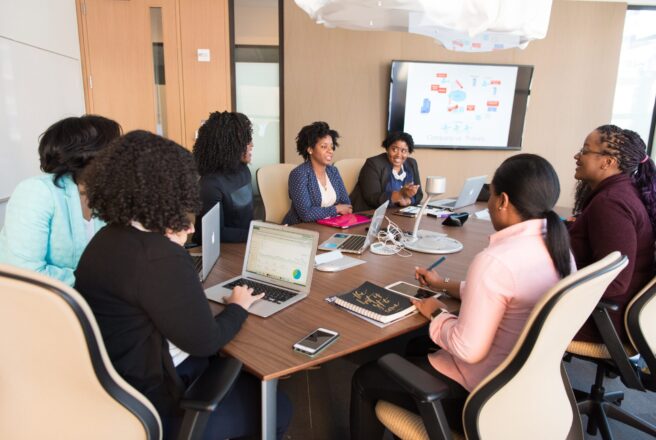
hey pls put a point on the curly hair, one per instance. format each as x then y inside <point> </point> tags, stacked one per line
<point>311,134</point>
<point>630,151</point>
<point>145,178</point>
<point>69,145</point>
<point>222,142</point>
<point>399,136</point>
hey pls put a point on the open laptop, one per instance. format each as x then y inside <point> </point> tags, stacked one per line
<point>211,223</point>
<point>279,261</point>
<point>468,195</point>
<point>356,243</point>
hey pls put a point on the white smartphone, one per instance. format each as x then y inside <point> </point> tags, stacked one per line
<point>412,291</point>
<point>316,341</point>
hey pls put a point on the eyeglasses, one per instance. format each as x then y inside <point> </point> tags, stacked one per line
<point>583,151</point>
<point>399,150</point>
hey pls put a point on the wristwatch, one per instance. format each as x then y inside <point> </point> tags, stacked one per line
<point>437,312</point>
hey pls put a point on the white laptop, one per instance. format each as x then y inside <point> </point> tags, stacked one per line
<point>279,261</point>
<point>356,243</point>
<point>468,195</point>
<point>211,224</point>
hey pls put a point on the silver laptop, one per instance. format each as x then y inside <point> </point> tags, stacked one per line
<point>356,243</point>
<point>211,224</point>
<point>468,195</point>
<point>279,261</point>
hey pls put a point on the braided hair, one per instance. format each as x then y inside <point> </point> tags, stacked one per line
<point>222,142</point>
<point>532,186</point>
<point>630,151</point>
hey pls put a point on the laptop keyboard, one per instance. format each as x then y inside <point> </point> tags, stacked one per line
<point>353,243</point>
<point>198,262</point>
<point>271,293</point>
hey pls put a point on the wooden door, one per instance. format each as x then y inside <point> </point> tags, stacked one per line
<point>117,42</point>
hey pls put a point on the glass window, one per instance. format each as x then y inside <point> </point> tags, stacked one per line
<point>635,92</point>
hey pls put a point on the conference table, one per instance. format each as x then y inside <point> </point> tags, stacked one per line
<point>264,345</point>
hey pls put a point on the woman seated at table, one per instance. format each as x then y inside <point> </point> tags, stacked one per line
<point>315,187</point>
<point>503,283</point>
<point>48,223</point>
<point>615,210</point>
<point>392,176</point>
<point>144,290</point>
<point>223,150</point>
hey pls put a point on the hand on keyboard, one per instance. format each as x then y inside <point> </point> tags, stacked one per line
<point>243,296</point>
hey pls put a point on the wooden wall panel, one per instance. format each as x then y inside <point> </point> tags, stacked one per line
<point>206,85</point>
<point>342,77</point>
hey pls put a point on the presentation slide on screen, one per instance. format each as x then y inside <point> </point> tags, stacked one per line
<point>460,105</point>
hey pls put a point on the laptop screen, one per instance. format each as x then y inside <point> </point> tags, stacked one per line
<point>279,254</point>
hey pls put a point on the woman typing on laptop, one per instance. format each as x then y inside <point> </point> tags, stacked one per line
<point>392,176</point>
<point>527,255</point>
<point>144,290</point>
<point>315,187</point>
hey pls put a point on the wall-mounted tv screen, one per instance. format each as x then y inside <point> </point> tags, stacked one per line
<point>455,105</point>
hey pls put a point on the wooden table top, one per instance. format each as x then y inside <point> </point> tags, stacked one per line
<point>264,345</point>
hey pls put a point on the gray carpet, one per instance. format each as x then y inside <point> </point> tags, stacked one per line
<point>321,398</point>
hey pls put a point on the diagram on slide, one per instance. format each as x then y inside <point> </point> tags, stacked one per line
<point>459,106</point>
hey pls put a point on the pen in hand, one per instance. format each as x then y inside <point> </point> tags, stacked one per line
<point>439,261</point>
<point>436,263</point>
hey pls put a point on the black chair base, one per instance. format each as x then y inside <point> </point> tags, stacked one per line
<point>599,406</point>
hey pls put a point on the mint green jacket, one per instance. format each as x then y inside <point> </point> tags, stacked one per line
<point>44,228</point>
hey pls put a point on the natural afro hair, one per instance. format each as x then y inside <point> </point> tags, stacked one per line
<point>399,136</point>
<point>311,134</point>
<point>145,178</point>
<point>222,142</point>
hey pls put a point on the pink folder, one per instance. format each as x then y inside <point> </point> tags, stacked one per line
<point>345,221</point>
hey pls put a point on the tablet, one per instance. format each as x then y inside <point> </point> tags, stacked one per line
<point>412,291</point>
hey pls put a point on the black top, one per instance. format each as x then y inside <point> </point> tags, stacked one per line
<point>143,290</point>
<point>369,193</point>
<point>235,192</point>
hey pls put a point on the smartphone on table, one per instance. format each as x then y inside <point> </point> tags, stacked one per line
<point>316,341</point>
<point>412,291</point>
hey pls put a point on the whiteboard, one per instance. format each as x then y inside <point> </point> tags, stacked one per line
<point>37,88</point>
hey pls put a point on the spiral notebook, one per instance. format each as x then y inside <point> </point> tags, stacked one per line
<point>375,302</point>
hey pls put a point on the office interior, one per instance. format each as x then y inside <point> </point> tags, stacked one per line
<point>319,74</point>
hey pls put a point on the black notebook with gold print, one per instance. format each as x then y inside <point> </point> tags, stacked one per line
<point>375,302</point>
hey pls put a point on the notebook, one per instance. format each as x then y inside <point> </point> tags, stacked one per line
<point>279,261</point>
<point>211,242</point>
<point>375,302</point>
<point>468,195</point>
<point>356,243</point>
<point>345,221</point>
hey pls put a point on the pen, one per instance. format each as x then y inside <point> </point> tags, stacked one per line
<point>437,263</point>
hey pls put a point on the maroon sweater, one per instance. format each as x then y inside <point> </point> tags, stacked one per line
<point>614,219</point>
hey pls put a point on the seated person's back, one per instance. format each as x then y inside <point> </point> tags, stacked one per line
<point>144,291</point>
<point>223,150</point>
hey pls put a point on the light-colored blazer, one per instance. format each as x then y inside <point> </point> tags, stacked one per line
<point>44,228</point>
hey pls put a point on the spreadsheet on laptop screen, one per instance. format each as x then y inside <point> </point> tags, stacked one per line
<point>280,255</point>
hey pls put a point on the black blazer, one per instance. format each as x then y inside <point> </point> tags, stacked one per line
<point>369,193</point>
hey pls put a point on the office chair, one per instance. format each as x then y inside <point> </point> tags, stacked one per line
<point>616,359</point>
<point>272,182</point>
<point>56,379</point>
<point>528,396</point>
<point>349,170</point>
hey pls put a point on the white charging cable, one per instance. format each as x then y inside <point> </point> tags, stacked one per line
<point>390,241</point>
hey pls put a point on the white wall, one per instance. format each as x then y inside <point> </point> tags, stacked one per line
<point>40,81</point>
